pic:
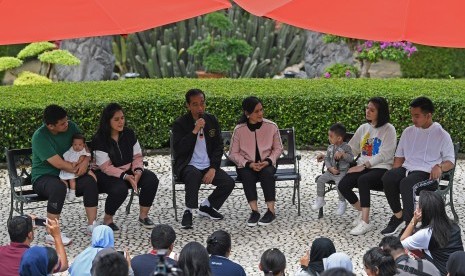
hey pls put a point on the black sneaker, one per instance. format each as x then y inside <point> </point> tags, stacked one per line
<point>146,223</point>
<point>113,227</point>
<point>393,225</point>
<point>208,211</point>
<point>186,222</point>
<point>267,218</point>
<point>253,219</point>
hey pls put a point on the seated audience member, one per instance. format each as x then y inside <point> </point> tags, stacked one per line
<point>273,262</point>
<point>255,147</point>
<point>375,141</point>
<point>194,261</point>
<point>109,262</point>
<point>21,236</point>
<point>339,271</point>
<point>425,150</point>
<point>438,236</point>
<point>162,239</point>
<point>378,262</point>
<point>456,264</point>
<point>312,262</point>
<point>404,263</point>
<point>102,237</point>
<point>39,260</point>
<point>118,156</point>
<point>337,162</point>
<point>338,260</point>
<point>219,248</point>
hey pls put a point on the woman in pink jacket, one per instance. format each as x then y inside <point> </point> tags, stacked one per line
<point>255,147</point>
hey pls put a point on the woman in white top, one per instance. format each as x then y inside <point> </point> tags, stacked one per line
<point>375,141</point>
<point>438,236</point>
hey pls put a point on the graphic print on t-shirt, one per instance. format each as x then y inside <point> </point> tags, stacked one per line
<point>370,146</point>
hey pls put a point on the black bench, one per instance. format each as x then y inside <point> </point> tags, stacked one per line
<point>19,163</point>
<point>288,166</point>
<point>445,187</point>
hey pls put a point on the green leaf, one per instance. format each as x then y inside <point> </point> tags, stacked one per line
<point>7,63</point>
<point>62,57</point>
<point>35,49</point>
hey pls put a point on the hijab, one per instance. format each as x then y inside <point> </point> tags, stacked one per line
<point>321,248</point>
<point>102,237</point>
<point>338,260</point>
<point>456,264</point>
<point>34,262</point>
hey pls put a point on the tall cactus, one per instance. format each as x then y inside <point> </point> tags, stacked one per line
<point>161,52</point>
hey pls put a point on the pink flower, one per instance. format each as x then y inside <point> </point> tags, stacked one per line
<point>327,75</point>
<point>348,73</point>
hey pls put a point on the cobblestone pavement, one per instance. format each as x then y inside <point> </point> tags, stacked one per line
<point>290,233</point>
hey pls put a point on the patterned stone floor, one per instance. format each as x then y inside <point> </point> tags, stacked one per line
<point>290,233</point>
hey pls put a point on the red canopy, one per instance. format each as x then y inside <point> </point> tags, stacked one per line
<point>35,20</point>
<point>429,22</point>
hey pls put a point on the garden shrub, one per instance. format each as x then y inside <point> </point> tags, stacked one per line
<point>151,106</point>
<point>434,62</point>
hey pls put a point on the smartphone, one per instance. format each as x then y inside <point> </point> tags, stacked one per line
<point>122,253</point>
<point>40,221</point>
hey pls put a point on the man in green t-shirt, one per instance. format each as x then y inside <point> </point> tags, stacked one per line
<point>49,142</point>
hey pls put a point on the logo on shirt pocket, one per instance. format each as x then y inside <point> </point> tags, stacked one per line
<point>212,132</point>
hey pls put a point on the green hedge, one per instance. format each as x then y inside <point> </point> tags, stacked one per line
<point>434,62</point>
<point>151,106</point>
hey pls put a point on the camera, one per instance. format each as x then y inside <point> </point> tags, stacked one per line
<point>164,267</point>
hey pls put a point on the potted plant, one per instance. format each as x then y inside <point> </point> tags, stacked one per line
<point>215,53</point>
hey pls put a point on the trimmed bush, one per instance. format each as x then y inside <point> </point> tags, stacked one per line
<point>434,62</point>
<point>151,106</point>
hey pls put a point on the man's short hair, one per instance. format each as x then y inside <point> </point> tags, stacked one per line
<point>109,262</point>
<point>424,103</point>
<point>193,92</point>
<point>390,243</point>
<point>338,129</point>
<point>163,236</point>
<point>53,113</point>
<point>19,227</point>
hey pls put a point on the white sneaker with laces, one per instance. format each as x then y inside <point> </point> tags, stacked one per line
<point>49,239</point>
<point>341,207</point>
<point>361,228</point>
<point>71,195</point>
<point>357,219</point>
<point>319,202</point>
<point>90,228</point>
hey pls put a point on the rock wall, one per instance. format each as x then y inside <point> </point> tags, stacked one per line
<point>320,55</point>
<point>96,55</point>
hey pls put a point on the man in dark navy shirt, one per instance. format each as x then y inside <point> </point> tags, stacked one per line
<point>162,239</point>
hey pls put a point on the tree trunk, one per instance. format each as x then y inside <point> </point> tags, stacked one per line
<point>365,68</point>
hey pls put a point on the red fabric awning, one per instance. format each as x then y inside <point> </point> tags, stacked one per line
<point>30,21</point>
<point>428,22</point>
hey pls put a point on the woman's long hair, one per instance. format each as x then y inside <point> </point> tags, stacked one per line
<point>433,215</point>
<point>383,110</point>
<point>194,260</point>
<point>104,128</point>
<point>380,261</point>
<point>248,105</point>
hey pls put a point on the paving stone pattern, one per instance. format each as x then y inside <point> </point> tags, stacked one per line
<point>290,233</point>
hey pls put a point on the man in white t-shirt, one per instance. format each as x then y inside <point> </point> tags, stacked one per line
<point>425,150</point>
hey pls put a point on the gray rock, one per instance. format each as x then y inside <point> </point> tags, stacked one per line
<point>96,55</point>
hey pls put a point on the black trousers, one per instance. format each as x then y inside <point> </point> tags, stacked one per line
<point>192,177</point>
<point>250,178</point>
<point>396,183</point>
<point>117,190</point>
<point>366,180</point>
<point>52,188</point>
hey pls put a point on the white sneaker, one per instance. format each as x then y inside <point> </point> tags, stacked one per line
<point>341,207</point>
<point>319,202</point>
<point>49,239</point>
<point>90,228</point>
<point>71,195</point>
<point>361,228</point>
<point>357,219</point>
